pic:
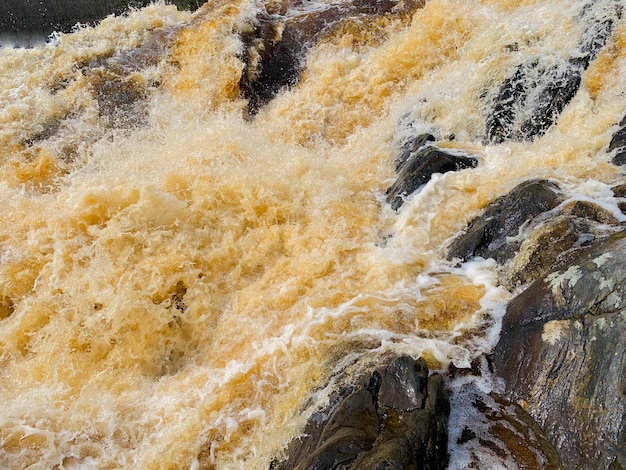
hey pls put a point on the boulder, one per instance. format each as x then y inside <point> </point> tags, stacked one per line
<point>562,354</point>
<point>619,191</point>
<point>411,146</point>
<point>488,234</point>
<point>418,168</point>
<point>397,420</point>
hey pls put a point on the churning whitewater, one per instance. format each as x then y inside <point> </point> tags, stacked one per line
<point>187,264</point>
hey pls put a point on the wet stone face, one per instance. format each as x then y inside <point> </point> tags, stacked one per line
<point>563,352</point>
<point>398,420</point>
<point>488,234</point>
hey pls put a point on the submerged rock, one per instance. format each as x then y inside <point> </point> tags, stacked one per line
<point>420,165</point>
<point>488,234</point>
<point>276,45</point>
<point>399,420</point>
<point>563,353</point>
<point>531,99</point>
<point>618,144</point>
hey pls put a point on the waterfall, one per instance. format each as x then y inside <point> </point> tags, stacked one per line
<point>213,221</point>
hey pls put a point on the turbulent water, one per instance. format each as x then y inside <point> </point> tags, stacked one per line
<point>178,278</point>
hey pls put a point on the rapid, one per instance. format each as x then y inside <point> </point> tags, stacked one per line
<point>181,279</point>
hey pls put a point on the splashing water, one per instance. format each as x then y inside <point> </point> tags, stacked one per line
<point>178,277</point>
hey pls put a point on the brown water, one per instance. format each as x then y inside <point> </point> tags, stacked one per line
<point>177,279</point>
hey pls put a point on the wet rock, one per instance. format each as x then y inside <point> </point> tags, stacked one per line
<point>121,99</point>
<point>600,17</point>
<point>351,429</point>
<point>488,431</point>
<point>419,167</point>
<point>487,235</point>
<point>558,240</point>
<point>117,82</point>
<point>543,86</point>
<point>619,191</point>
<point>507,105</point>
<point>276,45</point>
<point>563,353</point>
<point>618,144</point>
<point>399,420</point>
<point>558,89</point>
<point>412,146</point>
<point>532,90</point>
<point>46,16</point>
<point>273,54</point>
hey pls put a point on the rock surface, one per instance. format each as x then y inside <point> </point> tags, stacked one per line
<point>618,144</point>
<point>488,431</point>
<point>419,167</point>
<point>558,239</point>
<point>399,420</point>
<point>563,353</point>
<point>488,234</point>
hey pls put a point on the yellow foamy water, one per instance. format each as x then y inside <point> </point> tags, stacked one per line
<point>175,281</point>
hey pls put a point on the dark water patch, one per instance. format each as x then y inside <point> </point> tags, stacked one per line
<point>487,235</point>
<point>29,23</point>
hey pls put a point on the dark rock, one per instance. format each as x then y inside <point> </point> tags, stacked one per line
<point>590,284</point>
<point>273,54</point>
<point>411,146</point>
<point>552,87</point>
<point>563,352</point>
<point>486,235</point>
<point>398,421</point>
<point>507,104</point>
<point>558,240</point>
<point>415,438</point>
<point>620,192</point>
<point>558,89</point>
<point>489,431</point>
<point>276,45</point>
<point>542,87</point>
<point>618,144</point>
<point>600,22</point>
<point>403,385</point>
<point>419,168</point>
<point>352,429</point>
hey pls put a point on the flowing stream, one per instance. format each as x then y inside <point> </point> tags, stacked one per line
<point>180,281</point>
